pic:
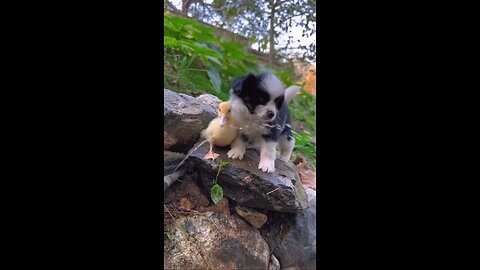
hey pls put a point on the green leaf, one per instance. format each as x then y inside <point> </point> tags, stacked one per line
<point>203,49</point>
<point>170,236</point>
<point>214,59</point>
<point>223,164</point>
<point>214,77</point>
<point>170,42</point>
<point>216,193</point>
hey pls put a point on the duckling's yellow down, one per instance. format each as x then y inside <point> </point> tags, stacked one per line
<point>221,131</point>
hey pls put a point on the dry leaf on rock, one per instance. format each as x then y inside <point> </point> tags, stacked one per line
<point>307,176</point>
<point>185,203</point>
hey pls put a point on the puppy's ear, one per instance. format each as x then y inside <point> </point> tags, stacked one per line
<point>237,84</point>
<point>250,82</point>
<point>244,82</point>
<point>279,101</point>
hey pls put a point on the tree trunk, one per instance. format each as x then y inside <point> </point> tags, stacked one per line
<point>185,5</point>
<point>271,33</point>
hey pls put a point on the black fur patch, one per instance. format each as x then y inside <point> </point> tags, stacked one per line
<point>247,88</point>
<point>279,101</point>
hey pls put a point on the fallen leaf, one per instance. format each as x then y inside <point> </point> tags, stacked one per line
<point>307,177</point>
<point>185,203</point>
<point>220,207</point>
<point>299,159</point>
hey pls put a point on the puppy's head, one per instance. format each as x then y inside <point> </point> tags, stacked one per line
<point>262,94</point>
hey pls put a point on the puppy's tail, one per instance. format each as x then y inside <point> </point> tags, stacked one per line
<point>291,92</point>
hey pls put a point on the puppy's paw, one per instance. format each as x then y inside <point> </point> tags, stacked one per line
<point>267,165</point>
<point>284,158</point>
<point>235,153</point>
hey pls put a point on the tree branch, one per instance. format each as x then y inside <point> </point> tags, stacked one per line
<point>171,6</point>
<point>286,19</point>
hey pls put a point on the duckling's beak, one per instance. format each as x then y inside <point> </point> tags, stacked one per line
<point>223,120</point>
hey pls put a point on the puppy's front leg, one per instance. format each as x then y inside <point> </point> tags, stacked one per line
<point>267,156</point>
<point>238,149</point>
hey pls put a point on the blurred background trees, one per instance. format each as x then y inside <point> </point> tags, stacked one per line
<point>278,27</point>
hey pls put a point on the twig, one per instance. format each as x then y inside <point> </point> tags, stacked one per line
<point>273,190</point>
<point>189,154</point>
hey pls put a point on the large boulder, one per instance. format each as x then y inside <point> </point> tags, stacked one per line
<point>214,241</point>
<point>244,183</point>
<point>292,237</point>
<point>184,118</point>
<point>211,100</point>
<point>171,160</point>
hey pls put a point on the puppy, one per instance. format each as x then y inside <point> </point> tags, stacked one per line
<point>259,108</point>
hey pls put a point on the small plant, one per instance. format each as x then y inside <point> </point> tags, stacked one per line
<point>217,192</point>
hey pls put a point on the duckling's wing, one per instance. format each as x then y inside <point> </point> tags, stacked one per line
<point>208,132</point>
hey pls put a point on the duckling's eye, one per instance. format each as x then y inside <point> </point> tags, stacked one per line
<point>229,110</point>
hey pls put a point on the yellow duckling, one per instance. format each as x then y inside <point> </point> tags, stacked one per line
<point>221,131</point>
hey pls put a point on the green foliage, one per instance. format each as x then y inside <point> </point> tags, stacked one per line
<point>196,61</point>
<point>303,108</point>
<point>304,145</point>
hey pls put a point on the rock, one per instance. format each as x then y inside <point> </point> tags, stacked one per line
<point>274,264</point>
<point>211,100</point>
<point>169,179</point>
<point>244,183</point>
<point>253,217</point>
<point>168,140</point>
<point>170,161</point>
<point>188,190</point>
<point>221,207</point>
<point>184,117</point>
<point>292,237</point>
<point>223,242</point>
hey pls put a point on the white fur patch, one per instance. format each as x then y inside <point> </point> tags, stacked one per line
<point>238,149</point>
<point>267,156</point>
<point>273,86</point>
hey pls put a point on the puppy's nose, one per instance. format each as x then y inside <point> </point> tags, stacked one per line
<point>270,114</point>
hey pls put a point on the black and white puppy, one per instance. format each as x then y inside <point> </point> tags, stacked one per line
<point>259,109</point>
